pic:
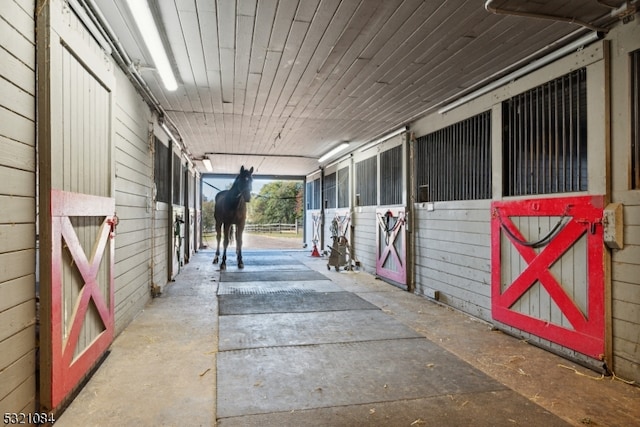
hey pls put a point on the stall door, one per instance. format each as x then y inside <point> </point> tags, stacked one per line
<point>178,239</point>
<point>391,247</point>
<point>548,270</point>
<point>77,207</point>
<point>82,292</point>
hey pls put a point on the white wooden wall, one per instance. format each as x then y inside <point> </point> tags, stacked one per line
<point>363,224</point>
<point>134,192</point>
<point>331,213</point>
<point>133,183</point>
<point>197,212</point>
<point>160,247</point>
<point>309,229</point>
<point>308,220</point>
<point>364,243</point>
<point>625,272</point>
<point>452,246</point>
<point>364,218</point>
<point>17,207</point>
<point>453,254</point>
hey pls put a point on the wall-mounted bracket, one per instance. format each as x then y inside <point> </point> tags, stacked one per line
<point>613,225</point>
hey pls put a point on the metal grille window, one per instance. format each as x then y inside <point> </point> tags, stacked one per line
<point>313,194</point>
<point>343,187</point>
<point>635,119</point>
<point>367,182</point>
<point>309,194</point>
<point>316,194</point>
<point>545,138</point>
<point>391,176</point>
<point>177,180</point>
<point>330,191</point>
<point>161,172</point>
<point>454,163</point>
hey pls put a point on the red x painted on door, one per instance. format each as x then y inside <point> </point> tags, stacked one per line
<point>70,364</point>
<point>575,218</point>
<point>391,252</point>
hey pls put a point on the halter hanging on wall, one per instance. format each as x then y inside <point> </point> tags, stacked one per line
<point>543,241</point>
<point>385,223</point>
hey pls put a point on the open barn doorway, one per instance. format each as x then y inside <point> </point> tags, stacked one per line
<point>274,214</point>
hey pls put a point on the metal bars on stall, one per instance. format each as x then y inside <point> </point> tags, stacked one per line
<point>454,163</point>
<point>545,138</point>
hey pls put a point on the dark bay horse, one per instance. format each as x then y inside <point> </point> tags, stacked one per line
<point>231,208</point>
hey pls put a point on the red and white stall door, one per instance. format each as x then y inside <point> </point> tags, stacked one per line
<point>391,245</point>
<point>548,270</point>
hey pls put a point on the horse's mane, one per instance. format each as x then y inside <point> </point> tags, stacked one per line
<point>235,187</point>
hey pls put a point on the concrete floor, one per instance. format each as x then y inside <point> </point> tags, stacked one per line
<point>285,342</point>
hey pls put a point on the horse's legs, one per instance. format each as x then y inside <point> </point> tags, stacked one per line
<point>239,230</point>
<point>218,229</point>
<point>223,264</point>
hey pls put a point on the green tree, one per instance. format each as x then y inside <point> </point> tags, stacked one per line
<point>277,202</point>
<point>208,220</point>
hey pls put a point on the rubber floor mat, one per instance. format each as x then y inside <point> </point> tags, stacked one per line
<point>294,301</point>
<point>303,329</point>
<point>277,287</point>
<point>271,276</point>
<point>281,379</point>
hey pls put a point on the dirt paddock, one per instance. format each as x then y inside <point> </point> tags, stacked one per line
<point>258,241</point>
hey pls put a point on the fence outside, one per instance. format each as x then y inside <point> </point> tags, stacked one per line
<point>272,228</point>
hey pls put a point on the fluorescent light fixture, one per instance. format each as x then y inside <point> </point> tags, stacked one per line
<point>333,152</point>
<point>207,164</point>
<point>384,138</point>
<point>149,31</point>
<point>167,131</point>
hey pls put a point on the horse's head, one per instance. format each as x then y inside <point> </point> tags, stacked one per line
<point>244,181</point>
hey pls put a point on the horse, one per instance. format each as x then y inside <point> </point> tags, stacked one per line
<point>231,209</point>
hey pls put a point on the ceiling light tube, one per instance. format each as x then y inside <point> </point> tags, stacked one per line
<point>333,152</point>
<point>167,131</point>
<point>207,164</point>
<point>149,31</point>
<point>383,138</point>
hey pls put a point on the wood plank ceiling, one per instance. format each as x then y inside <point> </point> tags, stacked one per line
<point>275,84</point>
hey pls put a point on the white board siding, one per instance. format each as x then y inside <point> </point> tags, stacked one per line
<point>625,295</point>
<point>309,229</point>
<point>133,192</point>
<point>17,207</point>
<point>191,243</point>
<point>161,244</point>
<point>364,237</point>
<point>452,254</point>
<point>625,266</point>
